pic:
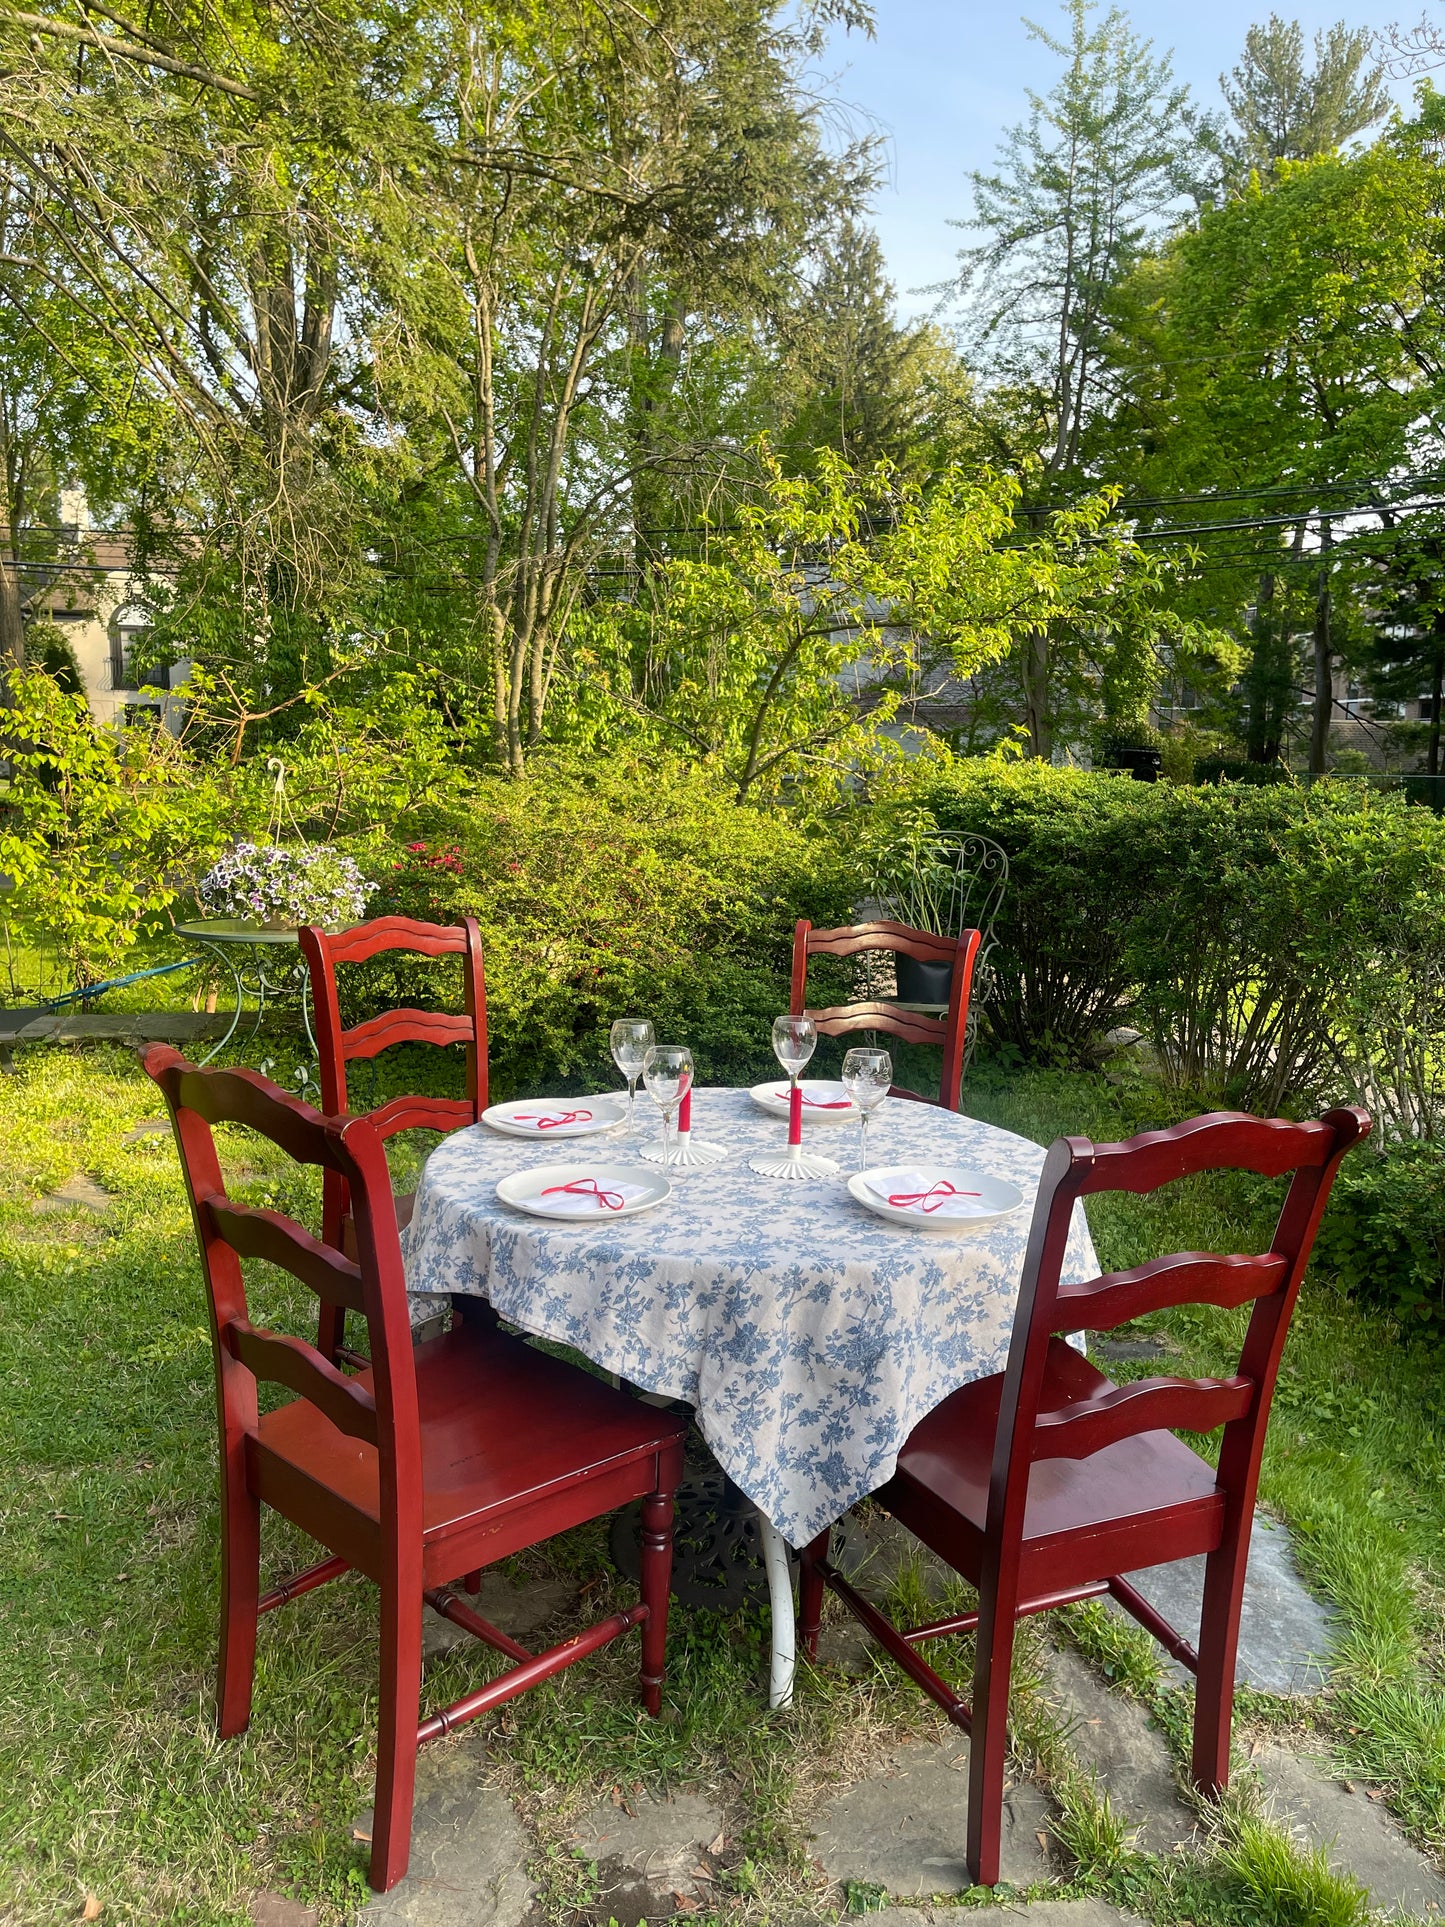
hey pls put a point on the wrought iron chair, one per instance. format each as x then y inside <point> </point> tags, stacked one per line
<point>1046,1483</point>
<point>432,1462</point>
<point>978,875</point>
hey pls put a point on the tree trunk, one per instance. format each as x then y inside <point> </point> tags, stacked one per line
<point>1263,706</point>
<point>1036,694</point>
<point>1324,662</point>
<point>12,620</point>
<point>1437,690</point>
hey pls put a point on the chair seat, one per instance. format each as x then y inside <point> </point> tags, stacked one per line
<point>1144,1501</point>
<point>506,1432</point>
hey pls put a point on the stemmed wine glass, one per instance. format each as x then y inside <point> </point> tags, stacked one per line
<point>867,1078</point>
<point>794,1041</point>
<point>631,1040</point>
<point>667,1073</point>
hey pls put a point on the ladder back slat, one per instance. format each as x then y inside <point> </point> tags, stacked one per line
<point>911,1025</point>
<point>364,940</point>
<point>1184,1278</point>
<point>405,1026</point>
<point>280,1241</point>
<point>1079,1430</point>
<point>281,1360</point>
<point>421,1114</point>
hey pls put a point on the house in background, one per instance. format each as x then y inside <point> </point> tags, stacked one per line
<point>88,593</point>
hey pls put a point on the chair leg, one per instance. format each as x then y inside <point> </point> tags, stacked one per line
<point>396,1733</point>
<point>811,1587</point>
<point>240,1590</point>
<point>988,1742</point>
<point>330,1331</point>
<point>656,1591</point>
<point>472,1582</point>
<point>1218,1648</point>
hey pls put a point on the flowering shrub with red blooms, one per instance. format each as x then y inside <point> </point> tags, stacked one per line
<point>446,857</point>
<point>609,888</point>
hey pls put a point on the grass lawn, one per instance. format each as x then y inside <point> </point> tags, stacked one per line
<point>113,1785</point>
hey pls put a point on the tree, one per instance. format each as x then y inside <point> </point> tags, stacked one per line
<point>781,654</point>
<point>1282,110</point>
<point>1288,352</point>
<point>856,381</point>
<point>556,304</point>
<point>1082,187</point>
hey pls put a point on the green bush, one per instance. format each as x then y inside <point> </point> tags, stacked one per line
<point>1279,947</point>
<point>1384,1232</point>
<point>616,888</point>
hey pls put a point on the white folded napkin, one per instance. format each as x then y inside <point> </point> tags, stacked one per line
<point>587,1204</point>
<point>925,1193</point>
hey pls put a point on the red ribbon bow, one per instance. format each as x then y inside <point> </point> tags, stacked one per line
<point>589,1188</point>
<point>822,1103</point>
<point>933,1199</point>
<point>551,1123</point>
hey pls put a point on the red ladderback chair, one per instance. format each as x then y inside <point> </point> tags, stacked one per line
<point>336,1048</point>
<point>914,1027</point>
<point>1047,1483</point>
<point>433,1462</point>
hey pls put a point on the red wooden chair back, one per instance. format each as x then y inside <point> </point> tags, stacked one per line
<point>914,1027</point>
<point>1029,1430</point>
<point>351,1150</point>
<point>336,1048</point>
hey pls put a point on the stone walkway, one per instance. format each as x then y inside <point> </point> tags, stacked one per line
<point>890,1843</point>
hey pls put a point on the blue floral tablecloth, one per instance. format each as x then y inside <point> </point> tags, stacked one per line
<point>810,1336</point>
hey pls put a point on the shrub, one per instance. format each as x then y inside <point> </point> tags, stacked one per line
<point>99,828</point>
<point>1279,947</point>
<point>1384,1232</point>
<point>611,888</point>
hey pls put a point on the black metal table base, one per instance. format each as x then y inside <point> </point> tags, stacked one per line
<point>717,1548</point>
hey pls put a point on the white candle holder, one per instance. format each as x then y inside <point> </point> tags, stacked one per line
<point>686,1155</point>
<point>795,1162</point>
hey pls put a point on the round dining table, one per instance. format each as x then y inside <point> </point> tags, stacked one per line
<point>808,1335</point>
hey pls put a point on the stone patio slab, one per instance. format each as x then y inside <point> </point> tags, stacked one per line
<point>1114,1736</point>
<point>469,1851</point>
<point>903,1827</point>
<point>1354,1830</point>
<point>650,1854</point>
<point>1284,1631</point>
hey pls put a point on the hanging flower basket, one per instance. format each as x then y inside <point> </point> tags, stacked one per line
<point>279,886</point>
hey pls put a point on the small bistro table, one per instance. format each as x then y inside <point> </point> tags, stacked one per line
<point>809,1335</point>
<point>246,950</point>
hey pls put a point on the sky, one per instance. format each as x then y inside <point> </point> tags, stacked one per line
<point>945,78</point>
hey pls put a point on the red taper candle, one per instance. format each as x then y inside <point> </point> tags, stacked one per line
<point>795,1115</point>
<point>684,1114</point>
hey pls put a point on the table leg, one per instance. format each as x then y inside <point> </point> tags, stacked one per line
<point>780,1590</point>
<point>216,1049</point>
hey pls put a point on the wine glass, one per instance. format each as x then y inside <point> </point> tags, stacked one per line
<point>867,1078</point>
<point>794,1041</point>
<point>631,1040</point>
<point>667,1073</point>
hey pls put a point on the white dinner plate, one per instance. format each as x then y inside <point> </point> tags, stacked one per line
<point>974,1201</point>
<point>545,1192</point>
<point>824,1099</point>
<point>548,1118</point>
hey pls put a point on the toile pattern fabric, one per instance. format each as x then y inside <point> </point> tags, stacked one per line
<point>810,1335</point>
